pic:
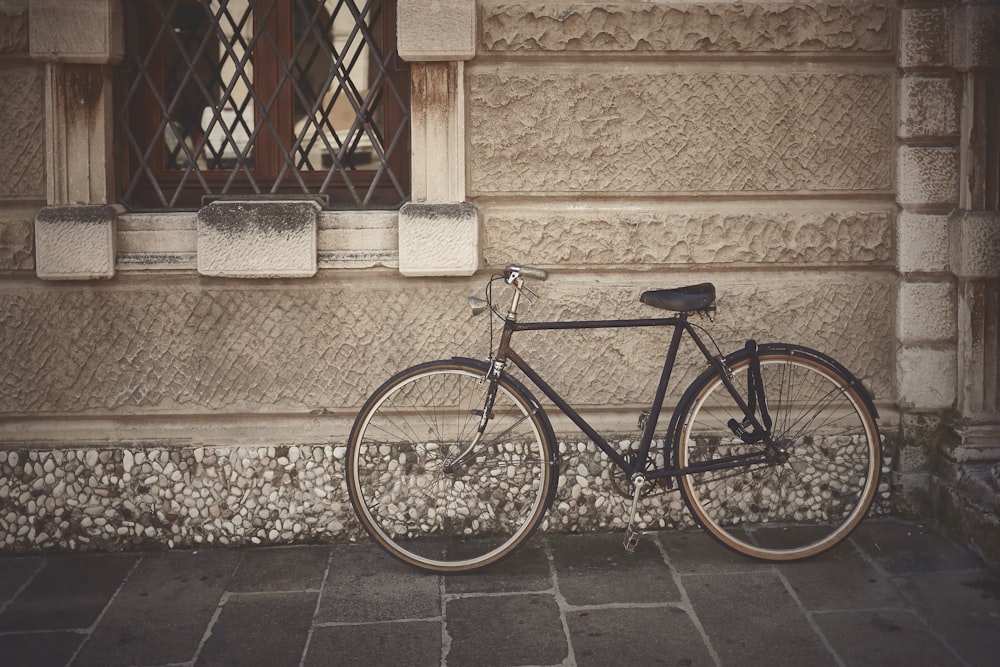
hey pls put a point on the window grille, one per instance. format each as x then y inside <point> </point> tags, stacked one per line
<point>262,97</point>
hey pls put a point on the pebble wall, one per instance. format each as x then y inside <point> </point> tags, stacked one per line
<point>110,499</point>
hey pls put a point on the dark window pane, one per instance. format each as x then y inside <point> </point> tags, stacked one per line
<point>227,97</point>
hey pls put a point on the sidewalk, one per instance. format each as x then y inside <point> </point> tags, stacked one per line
<point>897,594</point>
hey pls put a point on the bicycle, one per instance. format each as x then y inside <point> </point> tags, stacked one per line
<point>775,448</point>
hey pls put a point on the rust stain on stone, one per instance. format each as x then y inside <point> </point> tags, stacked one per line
<point>84,86</point>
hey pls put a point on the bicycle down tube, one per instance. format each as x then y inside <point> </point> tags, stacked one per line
<point>505,352</point>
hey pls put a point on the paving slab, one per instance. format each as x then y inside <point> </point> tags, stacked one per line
<point>694,552</point>
<point>260,629</point>
<point>664,635</point>
<point>67,593</point>
<point>39,649</point>
<point>963,608</point>
<point>162,612</point>
<point>522,629</point>
<point>272,569</point>
<point>17,572</point>
<point>528,570</point>
<point>752,619</point>
<point>883,637</point>
<point>411,643</point>
<point>842,578</point>
<point>902,547</point>
<point>596,570</point>
<point>364,585</point>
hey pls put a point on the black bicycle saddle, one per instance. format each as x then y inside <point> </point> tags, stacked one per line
<point>683,299</point>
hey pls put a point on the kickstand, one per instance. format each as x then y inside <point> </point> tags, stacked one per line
<point>631,534</point>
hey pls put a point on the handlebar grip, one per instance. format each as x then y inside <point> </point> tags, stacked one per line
<point>526,272</point>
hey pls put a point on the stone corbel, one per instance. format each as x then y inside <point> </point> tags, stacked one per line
<point>76,242</point>
<point>438,239</point>
<point>258,239</point>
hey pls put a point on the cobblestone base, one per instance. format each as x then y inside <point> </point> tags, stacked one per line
<point>128,498</point>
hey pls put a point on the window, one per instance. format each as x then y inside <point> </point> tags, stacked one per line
<point>262,97</point>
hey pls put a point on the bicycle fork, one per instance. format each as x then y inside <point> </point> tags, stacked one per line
<point>493,378</point>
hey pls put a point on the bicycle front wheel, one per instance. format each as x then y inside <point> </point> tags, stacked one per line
<point>819,485</point>
<point>431,490</point>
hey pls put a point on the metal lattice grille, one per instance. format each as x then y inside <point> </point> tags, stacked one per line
<point>263,97</point>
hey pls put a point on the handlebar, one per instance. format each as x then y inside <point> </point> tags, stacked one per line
<point>512,273</point>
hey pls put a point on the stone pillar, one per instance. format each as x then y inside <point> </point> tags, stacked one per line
<point>438,230</point>
<point>927,191</point>
<point>79,41</point>
<point>949,257</point>
<point>975,234</point>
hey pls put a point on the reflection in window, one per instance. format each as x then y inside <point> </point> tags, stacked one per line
<point>263,97</point>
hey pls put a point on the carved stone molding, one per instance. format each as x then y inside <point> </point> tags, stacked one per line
<point>713,27</point>
<point>651,238</point>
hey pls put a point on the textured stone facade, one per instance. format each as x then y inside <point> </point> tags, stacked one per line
<point>182,348</point>
<point>661,131</point>
<point>22,150</point>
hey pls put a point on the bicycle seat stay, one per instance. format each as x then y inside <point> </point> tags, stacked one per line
<point>682,299</point>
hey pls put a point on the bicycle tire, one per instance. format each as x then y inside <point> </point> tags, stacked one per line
<point>450,521</point>
<point>791,509</point>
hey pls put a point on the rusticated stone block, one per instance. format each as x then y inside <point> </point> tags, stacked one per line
<point>927,377</point>
<point>75,242</point>
<point>22,151</point>
<point>14,26</point>
<point>925,38</point>
<point>661,237</point>
<point>258,239</point>
<point>975,243</point>
<point>438,239</point>
<point>927,176</point>
<point>977,35</point>
<point>750,27</point>
<point>928,107</point>
<point>926,313</point>
<point>922,243</point>
<point>16,241</point>
<point>655,130</point>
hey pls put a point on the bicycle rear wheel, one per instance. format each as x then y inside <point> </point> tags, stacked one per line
<point>413,498</point>
<point>816,491</point>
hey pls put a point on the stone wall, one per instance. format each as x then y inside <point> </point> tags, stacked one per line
<point>622,146</point>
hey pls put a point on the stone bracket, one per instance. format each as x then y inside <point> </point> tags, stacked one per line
<point>439,239</point>
<point>75,242</point>
<point>258,239</point>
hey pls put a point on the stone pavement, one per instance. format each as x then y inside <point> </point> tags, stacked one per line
<point>899,593</point>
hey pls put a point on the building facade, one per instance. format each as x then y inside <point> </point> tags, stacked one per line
<point>183,370</point>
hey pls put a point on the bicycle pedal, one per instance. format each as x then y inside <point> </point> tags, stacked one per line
<point>631,540</point>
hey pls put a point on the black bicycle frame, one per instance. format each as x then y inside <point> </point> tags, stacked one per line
<point>681,325</point>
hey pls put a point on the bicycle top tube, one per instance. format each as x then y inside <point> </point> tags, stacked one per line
<point>698,298</point>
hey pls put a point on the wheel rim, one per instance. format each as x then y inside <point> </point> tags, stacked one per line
<point>417,509</point>
<point>807,498</point>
